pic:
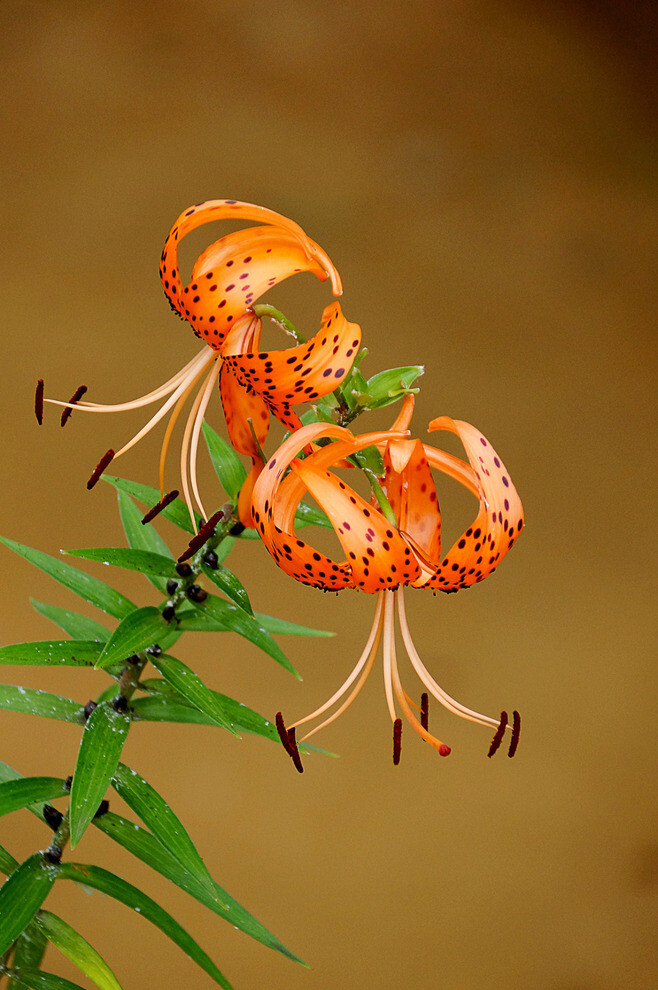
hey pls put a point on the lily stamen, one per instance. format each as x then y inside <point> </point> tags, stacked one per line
<point>77,395</point>
<point>162,504</point>
<point>516,731</point>
<point>498,737</point>
<point>397,741</point>
<point>100,467</point>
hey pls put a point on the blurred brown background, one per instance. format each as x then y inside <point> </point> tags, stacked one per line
<point>480,172</point>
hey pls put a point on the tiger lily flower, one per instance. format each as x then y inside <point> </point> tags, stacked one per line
<point>226,280</point>
<point>383,556</point>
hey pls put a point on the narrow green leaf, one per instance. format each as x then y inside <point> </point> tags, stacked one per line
<point>142,628</point>
<point>225,461</point>
<point>224,548</point>
<point>15,794</point>
<point>120,890</point>
<point>191,687</point>
<point>7,862</point>
<point>142,537</point>
<point>309,515</point>
<point>31,701</point>
<point>21,896</point>
<point>30,948</point>
<point>226,616</point>
<point>100,750</point>
<point>146,847</point>
<point>8,773</point>
<point>75,625</point>
<point>36,979</point>
<point>226,581</point>
<point>165,704</point>
<point>281,627</point>
<point>176,512</point>
<point>77,949</point>
<point>143,561</point>
<point>52,653</point>
<point>159,818</point>
<point>90,588</point>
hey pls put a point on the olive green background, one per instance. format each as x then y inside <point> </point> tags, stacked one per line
<point>480,173</point>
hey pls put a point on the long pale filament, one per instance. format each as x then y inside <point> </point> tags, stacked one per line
<point>363,667</point>
<point>389,651</point>
<point>211,381</point>
<point>403,699</point>
<point>191,379</point>
<point>144,400</point>
<point>453,706</point>
<point>170,427</point>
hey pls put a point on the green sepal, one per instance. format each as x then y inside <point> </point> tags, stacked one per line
<point>112,885</point>
<point>77,949</point>
<point>90,588</point>
<point>72,623</point>
<point>389,386</point>
<point>227,464</point>
<point>31,701</point>
<point>162,822</point>
<point>15,794</point>
<point>22,894</point>
<point>100,750</point>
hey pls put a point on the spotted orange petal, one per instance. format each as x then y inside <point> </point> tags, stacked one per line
<point>377,554</point>
<point>303,373</point>
<point>479,550</point>
<point>237,269</point>
<point>410,489</point>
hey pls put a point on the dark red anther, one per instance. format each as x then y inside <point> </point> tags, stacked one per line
<point>100,467</point>
<point>444,750</point>
<point>500,732</point>
<point>162,504</point>
<point>424,710</point>
<point>77,395</point>
<point>287,737</point>
<point>38,402</point>
<point>397,740</point>
<point>204,534</point>
<point>516,732</point>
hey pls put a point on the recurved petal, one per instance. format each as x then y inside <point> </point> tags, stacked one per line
<point>410,488</point>
<point>378,556</point>
<point>479,550</point>
<point>240,407</point>
<point>303,373</point>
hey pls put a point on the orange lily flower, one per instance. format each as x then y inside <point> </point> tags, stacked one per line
<point>226,279</point>
<point>382,556</point>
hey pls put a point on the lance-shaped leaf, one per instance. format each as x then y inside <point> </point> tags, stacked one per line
<point>98,756</point>
<point>77,949</point>
<point>142,628</point>
<point>31,701</point>
<point>176,512</point>
<point>225,461</point>
<point>29,948</point>
<point>7,862</point>
<point>192,688</point>
<point>15,794</point>
<point>52,653</point>
<point>37,979</point>
<point>144,561</point>
<point>226,581</point>
<point>159,818</point>
<point>120,890</point>
<point>140,536</point>
<point>21,896</point>
<point>146,847</point>
<point>90,588</point>
<point>281,627</point>
<point>221,615</point>
<point>75,625</point>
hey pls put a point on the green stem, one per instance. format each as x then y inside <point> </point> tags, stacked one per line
<point>265,309</point>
